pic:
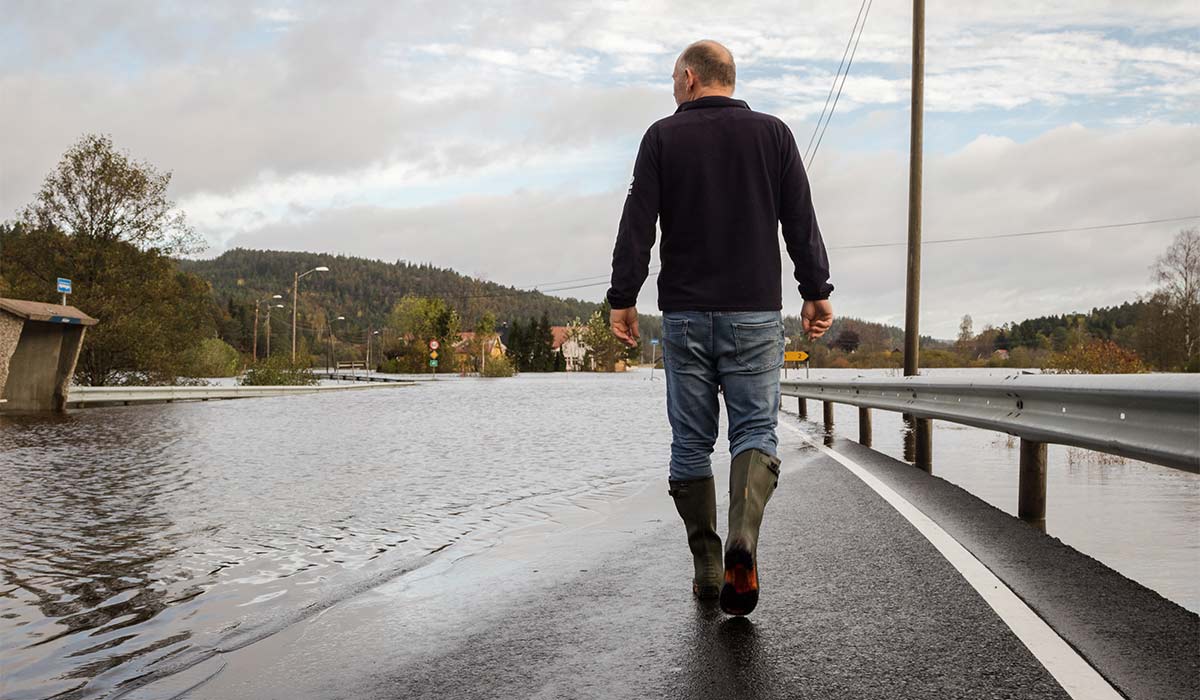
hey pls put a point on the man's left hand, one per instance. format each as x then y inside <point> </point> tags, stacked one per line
<point>624,324</point>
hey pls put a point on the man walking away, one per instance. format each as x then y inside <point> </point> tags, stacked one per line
<point>721,179</point>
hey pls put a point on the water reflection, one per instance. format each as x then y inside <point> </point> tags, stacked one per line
<point>82,545</point>
<point>725,657</point>
<point>910,438</point>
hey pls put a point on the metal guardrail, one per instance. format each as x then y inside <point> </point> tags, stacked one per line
<point>344,377</point>
<point>1150,417</point>
<point>84,396</point>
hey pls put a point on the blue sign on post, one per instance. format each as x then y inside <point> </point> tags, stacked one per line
<point>654,341</point>
<point>64,285</point>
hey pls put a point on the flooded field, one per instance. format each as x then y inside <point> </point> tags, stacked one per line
<point>137,540</point>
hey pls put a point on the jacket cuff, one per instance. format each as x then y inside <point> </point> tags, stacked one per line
<point>816,295</point>
<point>617,302</point>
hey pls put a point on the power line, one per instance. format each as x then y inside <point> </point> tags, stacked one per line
<point>578,279</point>
<point>539,287</point>
<point>1019,233</point>
<point>839,92</point>
<point>835,81</point>
<point>855,246</point>
<point>517,292</point>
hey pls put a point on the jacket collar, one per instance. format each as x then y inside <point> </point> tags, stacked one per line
<point>712,101</point>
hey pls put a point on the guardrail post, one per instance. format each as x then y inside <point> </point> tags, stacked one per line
<point>828,411</point>
<point>1031,503</point>
<point>803,408</point>
<point>864,426</point>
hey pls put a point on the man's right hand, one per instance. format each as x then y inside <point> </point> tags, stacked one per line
<point>816,316</point>
<point>624,324</point>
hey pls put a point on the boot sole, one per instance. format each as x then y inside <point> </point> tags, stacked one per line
<point>739,595</point>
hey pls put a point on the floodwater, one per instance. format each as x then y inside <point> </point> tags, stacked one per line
<point>135,541</point>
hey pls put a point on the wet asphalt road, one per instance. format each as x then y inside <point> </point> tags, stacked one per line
<point>856,604</point>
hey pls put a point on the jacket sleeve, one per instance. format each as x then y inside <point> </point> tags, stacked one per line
<point>801,233</point>
<point>636,232</point>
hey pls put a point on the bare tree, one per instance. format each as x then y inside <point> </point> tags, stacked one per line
<point>100,193</point>
<point>1178,275</point>
<point>965,333</point>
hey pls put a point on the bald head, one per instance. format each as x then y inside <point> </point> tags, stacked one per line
<point>704,68</point>
<point>711,62</point>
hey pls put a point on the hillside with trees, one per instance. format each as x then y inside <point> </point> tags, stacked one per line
<point>1159,332</point>
<point>364,292</point>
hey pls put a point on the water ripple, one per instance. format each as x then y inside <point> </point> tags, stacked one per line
<point>136,541</point>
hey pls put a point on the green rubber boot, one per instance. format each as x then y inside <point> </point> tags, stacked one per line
<point>753,475</point>
<point>696,502</point>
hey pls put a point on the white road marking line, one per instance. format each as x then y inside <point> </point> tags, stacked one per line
<point>1071,670</point>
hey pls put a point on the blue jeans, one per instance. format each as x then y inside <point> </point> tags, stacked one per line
<point>739,353</point>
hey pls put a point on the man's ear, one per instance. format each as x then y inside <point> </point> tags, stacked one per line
<point>691,80</point>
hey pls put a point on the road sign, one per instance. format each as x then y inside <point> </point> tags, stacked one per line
<point>654,341</point>
<point>795,356</point>
<point>64,285</point>
<point>433,355</point>
<point>433,363</point>
<point>434,345</point>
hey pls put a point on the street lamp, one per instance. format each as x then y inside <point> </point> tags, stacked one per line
<point>369,339</point>
<point>257,304</point>
<point>295,296</point>
<point>269,307</point>
<point>332,345</point>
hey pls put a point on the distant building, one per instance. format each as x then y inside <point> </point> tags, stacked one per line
<point>572,349</point>
<point>466,349</point>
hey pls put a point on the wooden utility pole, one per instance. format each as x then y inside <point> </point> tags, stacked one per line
<point>912,297</point>
<point>295,297</point>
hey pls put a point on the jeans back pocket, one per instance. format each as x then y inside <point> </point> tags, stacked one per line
<point>675,342</point>
<point>758,347</point>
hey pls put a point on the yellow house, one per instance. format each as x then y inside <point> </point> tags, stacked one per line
<point>466,350</point>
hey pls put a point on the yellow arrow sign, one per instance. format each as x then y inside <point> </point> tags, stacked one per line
<point>795,356</point>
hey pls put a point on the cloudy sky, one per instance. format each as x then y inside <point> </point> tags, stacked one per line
<point>497,138</point>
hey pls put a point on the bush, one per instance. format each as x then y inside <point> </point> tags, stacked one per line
<point>278,371</point>
<point>213,358</point>
<point>940,358</point>
<point>1095,357</point>
<point>497,367</point>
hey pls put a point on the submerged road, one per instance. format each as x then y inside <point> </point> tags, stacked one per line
<point>857,602</point>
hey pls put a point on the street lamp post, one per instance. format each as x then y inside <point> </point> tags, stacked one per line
<point>269,307</point>
<point>295,298</point>
<point>370,336</point>
<point>257,305</point>
<point>333,346</point>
